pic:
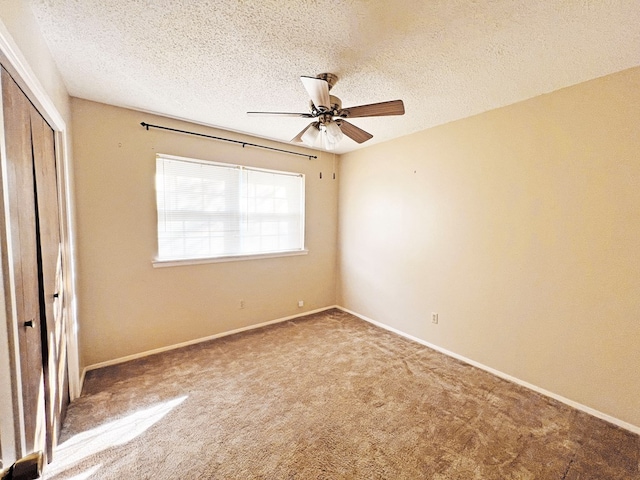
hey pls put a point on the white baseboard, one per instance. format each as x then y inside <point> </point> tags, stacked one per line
<point>135,356</point>
<point>603,416</point>
<point>81,382</point>
<point>596,413</point>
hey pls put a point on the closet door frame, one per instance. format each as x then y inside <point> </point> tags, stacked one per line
<point>12,431</point>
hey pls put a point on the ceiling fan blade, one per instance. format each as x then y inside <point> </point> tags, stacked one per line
<point>298,138</point>
<point>280,114</point>
<point>382,109</point>
<point>354,133</point>
<point>318,90</point>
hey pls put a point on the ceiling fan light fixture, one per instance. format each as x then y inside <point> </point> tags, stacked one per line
<point>328,144</point>
<point>333,132</point>
<point>310,136</point>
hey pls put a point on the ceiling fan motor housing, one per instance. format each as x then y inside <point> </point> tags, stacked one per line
<point>334,109</point>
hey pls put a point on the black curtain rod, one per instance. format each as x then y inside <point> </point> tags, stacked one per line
<point>244,144</point>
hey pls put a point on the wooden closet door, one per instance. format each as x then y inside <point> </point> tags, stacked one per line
<point>23,259</point>
<point>54,339</point>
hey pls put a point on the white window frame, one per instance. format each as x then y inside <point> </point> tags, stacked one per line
<point>194,260</point>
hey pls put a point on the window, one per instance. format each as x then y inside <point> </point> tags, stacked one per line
<point>210,210</point>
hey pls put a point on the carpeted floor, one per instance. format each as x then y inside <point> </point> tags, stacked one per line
<point>326,397</point>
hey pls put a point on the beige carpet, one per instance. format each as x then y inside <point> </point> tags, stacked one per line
<point>326,397</point>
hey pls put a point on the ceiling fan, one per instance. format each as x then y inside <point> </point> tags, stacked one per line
<point>329,116</point>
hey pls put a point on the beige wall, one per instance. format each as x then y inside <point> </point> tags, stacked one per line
<point>521,228</point>
<point>130,307</point>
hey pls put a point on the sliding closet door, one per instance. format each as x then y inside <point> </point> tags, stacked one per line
<point>54,340</point>
<point>23,258</point>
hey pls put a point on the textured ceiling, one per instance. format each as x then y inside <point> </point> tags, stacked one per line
<point>212,61</point>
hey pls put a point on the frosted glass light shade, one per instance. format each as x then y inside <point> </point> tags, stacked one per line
<point>334,134</point>
<point>310,136</point>
<point>328,144</point>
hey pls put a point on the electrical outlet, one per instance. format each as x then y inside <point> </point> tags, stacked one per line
<point>300,303</point>
<point>241,303</point>
<point>434,317</point>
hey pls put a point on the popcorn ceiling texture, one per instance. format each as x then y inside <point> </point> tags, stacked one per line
<point>212,61</point>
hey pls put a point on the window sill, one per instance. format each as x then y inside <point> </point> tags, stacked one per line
<point>230,258</point>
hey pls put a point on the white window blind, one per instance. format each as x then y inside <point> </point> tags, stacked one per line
<point>211,210</point>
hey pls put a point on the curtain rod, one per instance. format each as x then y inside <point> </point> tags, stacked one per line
<point>244,144</point>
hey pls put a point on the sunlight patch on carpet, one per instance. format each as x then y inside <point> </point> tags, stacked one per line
<point>87,473</point>
<point>111,434</point>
